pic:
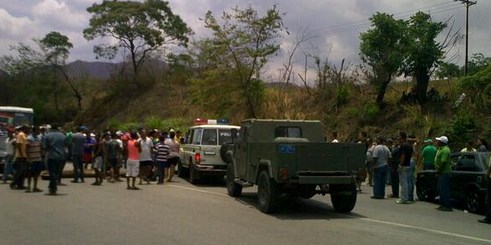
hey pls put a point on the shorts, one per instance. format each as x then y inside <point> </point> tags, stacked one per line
<point>132,168</point>
<point>114,163</point>
<point>173,161</point>
<point>98,162</point>
<point>35,168</point>
<point>163,164</point>
<point>87,158</point>
<point>146,163</point>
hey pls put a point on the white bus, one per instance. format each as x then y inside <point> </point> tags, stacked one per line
<point>11,117</point>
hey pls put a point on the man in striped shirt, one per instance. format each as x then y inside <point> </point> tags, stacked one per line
<point>161,155</point>
<point>35,157</point>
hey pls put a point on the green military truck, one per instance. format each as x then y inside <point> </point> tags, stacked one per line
<point>291,157</point>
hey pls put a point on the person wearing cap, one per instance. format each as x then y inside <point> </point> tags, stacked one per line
<point>442,167</point>
<point>428,154</point>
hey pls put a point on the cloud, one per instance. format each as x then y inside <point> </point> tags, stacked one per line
<point>58,15</point>
<point>15,28</point>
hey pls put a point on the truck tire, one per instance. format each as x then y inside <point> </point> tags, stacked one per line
<point>233,189</point>
<point>267,193</point>
<point>223,152</point>
<point>343,197</point>
<point>193,174</point>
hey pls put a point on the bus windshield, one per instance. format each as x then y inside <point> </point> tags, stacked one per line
<point>12,116</point>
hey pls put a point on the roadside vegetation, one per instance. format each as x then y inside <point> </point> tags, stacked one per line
<point>169,78</point>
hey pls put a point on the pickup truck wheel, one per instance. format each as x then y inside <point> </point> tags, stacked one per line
<point>343,197</point>
<point>424,191</point>
<point>193,175</point>
<point>233,189</point>
<point>267,192</point>
<point>180,170</point>
<point>473,202</point>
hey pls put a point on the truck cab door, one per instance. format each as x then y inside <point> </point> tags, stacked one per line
<point>241,153</point>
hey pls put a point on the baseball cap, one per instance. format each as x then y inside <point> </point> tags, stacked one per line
<point>84,128</point>
<point>428,140</point>
<point>442,139</point>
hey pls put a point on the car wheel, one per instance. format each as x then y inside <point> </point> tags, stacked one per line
<point>474,201</point>
<point>267,193</point>
<point>233,189</point>
<point>181,171</point>
<point>193,174</point>
<point>424,191</point>
<point>343,197</point>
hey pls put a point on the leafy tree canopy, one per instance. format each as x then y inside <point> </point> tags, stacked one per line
<point>382,48</point>
<point>140,28</point>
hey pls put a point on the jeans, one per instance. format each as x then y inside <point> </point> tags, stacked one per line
<point>78,168</point>
<point>379,179</point>
<point>394,180</point>
<point>443,184</point>
<point>8,169</point>
<point>20,172</point>
<point>410,181</point>
<point>160,171</point>
<point>54,167</point>
<point>403,180</point>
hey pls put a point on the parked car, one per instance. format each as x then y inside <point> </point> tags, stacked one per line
<point>467,180</point>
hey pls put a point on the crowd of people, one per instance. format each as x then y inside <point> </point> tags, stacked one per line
<point>146,155</point>
<point>153,155</point>
<point>396,162</point>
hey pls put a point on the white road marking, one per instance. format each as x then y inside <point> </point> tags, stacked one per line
<point>426,229</point>
<point>365,219</point>
<point>198,190</point>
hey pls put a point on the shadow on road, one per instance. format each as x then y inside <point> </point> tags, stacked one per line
<point>292,208</point>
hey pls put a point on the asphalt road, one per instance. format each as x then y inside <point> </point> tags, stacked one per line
<point>181,213</point>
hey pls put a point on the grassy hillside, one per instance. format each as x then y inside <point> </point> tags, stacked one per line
<point>170,104</point>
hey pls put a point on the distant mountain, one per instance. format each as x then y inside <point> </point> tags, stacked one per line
<point>104,70</point>
<point>98,70</point>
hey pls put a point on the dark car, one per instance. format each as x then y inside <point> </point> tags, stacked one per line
<point>467,181</point>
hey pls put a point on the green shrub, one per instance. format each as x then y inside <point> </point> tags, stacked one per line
<point>342,95</point>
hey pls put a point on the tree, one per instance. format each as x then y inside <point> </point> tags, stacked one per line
<point>240,47</point>
<point>54,49</point>
<point>382,48</point>
<point>424,52</point>
<point>139,27</point>
<point>448,71</point>
<point>477,63</point>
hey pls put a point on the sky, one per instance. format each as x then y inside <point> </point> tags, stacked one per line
<point>333,27</point>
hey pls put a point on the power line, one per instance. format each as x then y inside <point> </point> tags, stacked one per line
<point>359,24</point>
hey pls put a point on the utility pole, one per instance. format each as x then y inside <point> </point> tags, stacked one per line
<point>467,3</point>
